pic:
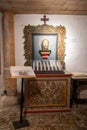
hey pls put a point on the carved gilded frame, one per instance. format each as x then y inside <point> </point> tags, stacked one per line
<point>44,29</point>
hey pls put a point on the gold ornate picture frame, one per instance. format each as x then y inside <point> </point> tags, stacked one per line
<point>44,29</point>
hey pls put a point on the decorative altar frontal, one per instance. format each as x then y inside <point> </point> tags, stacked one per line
<point>48,92</point>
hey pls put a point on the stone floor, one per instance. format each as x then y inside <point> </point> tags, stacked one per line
<point>74,120</point>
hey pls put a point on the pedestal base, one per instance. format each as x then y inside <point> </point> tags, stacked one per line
<point>18,124</point>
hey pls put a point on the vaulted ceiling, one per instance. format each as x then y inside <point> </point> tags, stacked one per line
<point>66,7</point>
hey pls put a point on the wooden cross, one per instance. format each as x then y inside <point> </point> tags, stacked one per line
<point>44,19</point>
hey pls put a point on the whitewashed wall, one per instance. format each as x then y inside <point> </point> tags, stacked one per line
<point>76,38</point>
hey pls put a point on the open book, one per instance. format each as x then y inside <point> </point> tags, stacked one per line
<point>22,72</point>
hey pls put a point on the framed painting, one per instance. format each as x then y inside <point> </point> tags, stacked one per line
<point>44,46</point>
<point>34,49</point>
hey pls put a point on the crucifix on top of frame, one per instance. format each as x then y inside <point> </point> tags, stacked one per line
<point>44,19</point>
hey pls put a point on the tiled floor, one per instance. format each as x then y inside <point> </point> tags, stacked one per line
<point>45,121</point>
